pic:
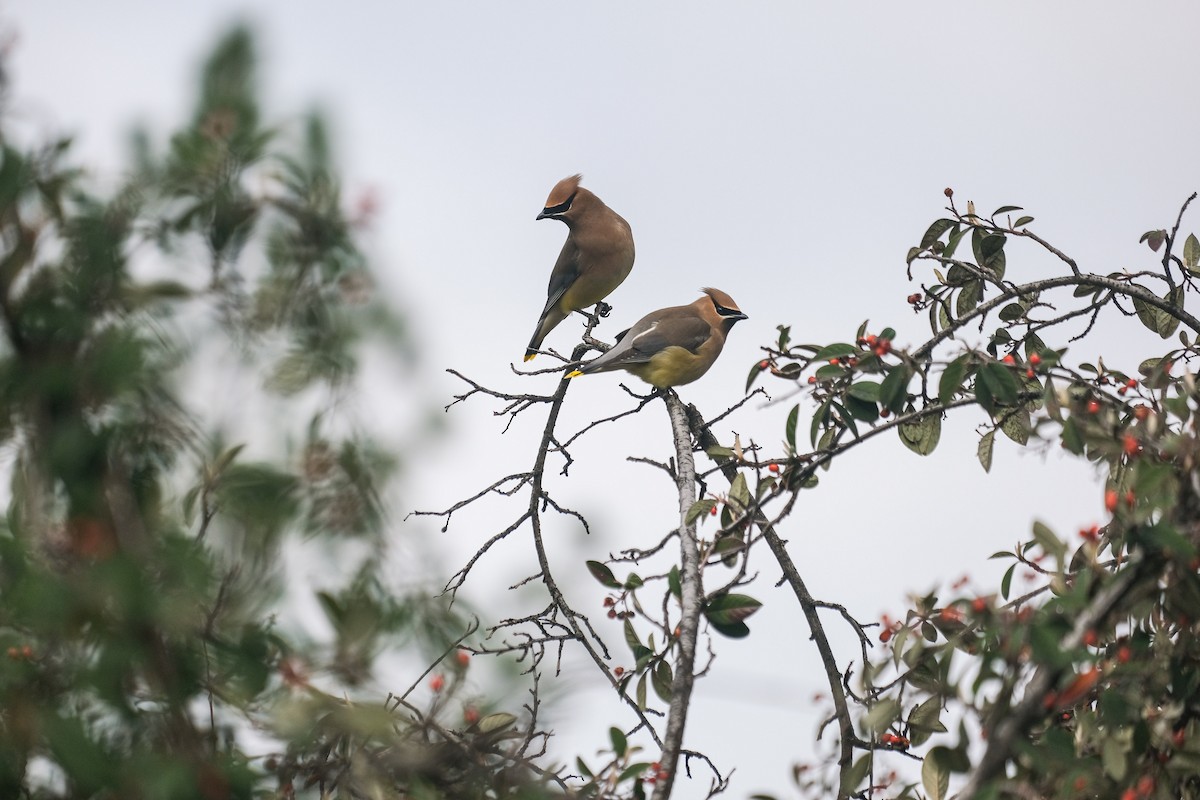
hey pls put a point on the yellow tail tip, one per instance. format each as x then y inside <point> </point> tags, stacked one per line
<point>575,373</point>
<point>530,356</point>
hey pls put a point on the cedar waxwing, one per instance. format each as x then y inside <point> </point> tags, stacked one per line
<point>596,257</point>
<point>672,346</point>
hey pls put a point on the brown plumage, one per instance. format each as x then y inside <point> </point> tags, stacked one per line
<point>596,257</point>
<point>672,346</point>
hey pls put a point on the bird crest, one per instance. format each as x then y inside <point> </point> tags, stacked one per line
<point>563,190</point>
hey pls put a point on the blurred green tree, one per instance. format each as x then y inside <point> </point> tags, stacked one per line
<point>140,655</point>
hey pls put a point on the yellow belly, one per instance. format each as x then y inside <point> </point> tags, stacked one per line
<point>673,366</point>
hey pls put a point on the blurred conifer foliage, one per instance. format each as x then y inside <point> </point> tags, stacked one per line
<point>140,552</point>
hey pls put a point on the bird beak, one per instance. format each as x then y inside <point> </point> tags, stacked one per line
<point>542,215</point>
<point>738,316</point>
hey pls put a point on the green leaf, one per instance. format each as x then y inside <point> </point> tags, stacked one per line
<point>935,231</point>
<point>631,637</point>
<point>1016,426</point>
<point>1000,383</point>
<point>726,613</point>
<point>1005,210</point>
<point>989,251</point>
<point>739,492</point>
<point>496,722</point>
<point>1154,239</point>
<point>641,691</point>
<point>632,771</point>
<point>969,297</point>
<point>619,743</point>
<point>956,235</point>
<point>1113,757</point>
<point>862,409</point>
<point>835,350</point>
<point>698,510</point>
<point>603,574</point>
<point>854,774</point>
<point>755,371</point>
<point>1051,545</point>
<point>1021,222</point>
<point>790,428</point>
<point>893,392</point>
<point>952,379</point>
<point>927,716</point>
<point>819,419</point>
<point>984,451</point>
<point>881,715</point>
<point>922,436</point>
<point>865,390</point>
<point>661,679</point>
<point>1006,581</point>
<point>673,582</point>
<point>1191,252</point>
<point>1072,437</point>
<point>1012,312</point>
<point>935,778</point>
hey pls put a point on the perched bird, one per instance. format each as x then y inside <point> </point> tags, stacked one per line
<point>672,346</point>
<point>596,257</point>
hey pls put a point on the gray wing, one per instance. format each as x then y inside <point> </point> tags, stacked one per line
<point>566,271</point>
<point>649,337</point>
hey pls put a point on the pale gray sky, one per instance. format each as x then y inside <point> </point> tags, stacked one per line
<point>786,152</point>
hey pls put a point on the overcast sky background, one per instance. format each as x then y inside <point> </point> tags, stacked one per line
<point>788,153</point>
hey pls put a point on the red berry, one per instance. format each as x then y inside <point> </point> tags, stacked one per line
<point>1141,412</point>
<point>1029,373</point>
<point>612,613</point>
<point>951,614</point>
<point>948,192</point>
<point>833,361</point>
<point>1129,794</point>
<point>608,601</point>
<point>1131,383</point>
<point>14,653</point>
<point>1124,654</point>
<point>1090,638</point>
<point>979,605</point>
<point>470,715</point>
<point>885,412</point>
<point>1035,359</point>
<point>764,364</point>
<point>1130,499</point>
<point>1093,407</point>
<point>713,511</point>
<point>1110,501</point>
<point>870,339</point>
<point>1130,445</point>
<point>773,467</point>
<point>437,683</point>
<point>618,671</point>
<point>885,635</point>
<point>463,658</point>
<point>812,378</point>
<point>1080,783</point>
<point>1008,359</point>
<point>1145,785</point>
